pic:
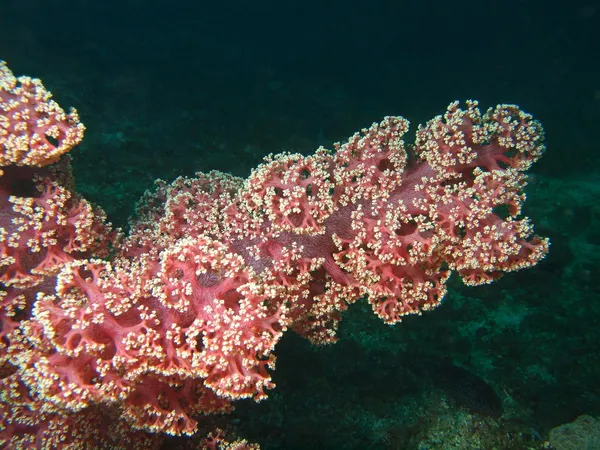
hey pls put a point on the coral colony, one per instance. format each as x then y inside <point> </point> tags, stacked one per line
<point>114,348</point>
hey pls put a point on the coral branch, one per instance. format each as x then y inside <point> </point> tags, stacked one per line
<point>34,129</point>
<point>186,315</point>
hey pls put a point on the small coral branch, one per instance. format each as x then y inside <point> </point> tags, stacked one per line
<point>34,129</point>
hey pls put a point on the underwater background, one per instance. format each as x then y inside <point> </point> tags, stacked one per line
<point>173,88</point>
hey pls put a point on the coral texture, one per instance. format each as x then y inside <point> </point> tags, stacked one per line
<point>183,318</point>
